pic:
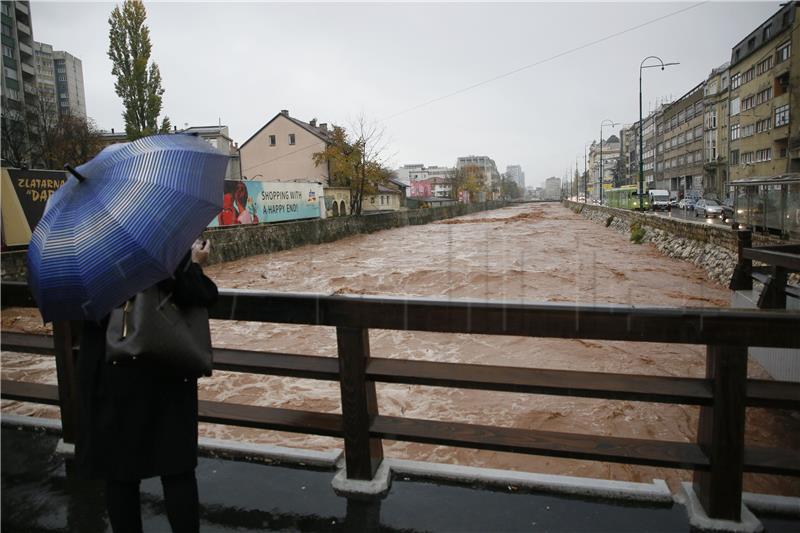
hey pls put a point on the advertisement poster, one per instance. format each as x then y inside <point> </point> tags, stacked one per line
<point>254,202</point>
<point>25,193</point>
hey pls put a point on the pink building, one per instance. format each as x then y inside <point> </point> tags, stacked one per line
<point>421,189</point>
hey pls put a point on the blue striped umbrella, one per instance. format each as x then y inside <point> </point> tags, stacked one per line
<point>123,222</point>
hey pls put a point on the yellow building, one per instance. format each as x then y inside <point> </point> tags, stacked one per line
<point>764,81</point>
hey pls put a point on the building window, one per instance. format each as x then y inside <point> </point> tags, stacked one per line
<point>681,117</point>
<point>764,95</point>
<point>8,51</point>
<point>751,43</point>
<point>372,199</point>
<point>763,155</point>
<point>291,138</point>
<point>734,132</point>
<point>698,131</point>
<point>764,66</point>
<point>734,157</point>
<point>272,141</point>
<point>749,74</point>
<point>747,158</point>
<point>711,149</point>
<point>748,102</point>
<point>698,108</point>
<point>736,81</point>
<point>6,30</point>
<point>784,51</point>
<point>748,131</point>
<point>711,120</point>
<point>767,32</point>
<point>734,106</point>
<point>763,125</point>
<point>782,116</point>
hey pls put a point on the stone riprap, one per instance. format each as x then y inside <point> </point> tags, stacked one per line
<point>711,247</point>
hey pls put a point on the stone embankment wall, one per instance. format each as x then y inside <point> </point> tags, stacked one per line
<point>236,242</point>
<point>711,247</point>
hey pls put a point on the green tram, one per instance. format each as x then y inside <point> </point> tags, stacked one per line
<point>626,197</point>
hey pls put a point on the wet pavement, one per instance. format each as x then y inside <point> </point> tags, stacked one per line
<point>39,496</point>
<point>684,214</point>
<point>524,253</point>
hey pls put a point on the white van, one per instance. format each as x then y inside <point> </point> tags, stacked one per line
<point>659,199</point>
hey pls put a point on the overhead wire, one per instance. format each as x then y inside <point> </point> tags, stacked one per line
<point>509,73</point>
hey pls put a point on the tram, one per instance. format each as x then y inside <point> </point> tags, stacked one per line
<point>625,197</point>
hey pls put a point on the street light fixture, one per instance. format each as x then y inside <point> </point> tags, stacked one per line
<point>612,124</point>
<point>641,138</point>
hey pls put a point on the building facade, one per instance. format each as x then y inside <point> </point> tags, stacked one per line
<point>609,153</point>
<point>682,130</point>
<point>19,72</point>
<point>764,81</point>
<point>515,174</point>
<point>715,167</point>
<point>486,165</point>
<point>283,149</point>
<point>552,188</point>
<point>69,84</point>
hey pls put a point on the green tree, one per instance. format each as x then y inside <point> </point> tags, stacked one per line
<point>138,80</point>
<point>468,179</point>
<point>356,161</point>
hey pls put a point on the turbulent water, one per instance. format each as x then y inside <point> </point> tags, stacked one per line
<point>525,253</point>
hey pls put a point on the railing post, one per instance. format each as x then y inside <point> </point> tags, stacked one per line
<point>742,279</point>
<point>773,296</point>
<point>63,340</point>
<point>363,454</point>
<point>720,433</point>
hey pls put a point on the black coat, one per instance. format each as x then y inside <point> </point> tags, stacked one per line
<point>134,422</point>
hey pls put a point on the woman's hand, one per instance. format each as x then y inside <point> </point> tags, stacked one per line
<point>200,251</point>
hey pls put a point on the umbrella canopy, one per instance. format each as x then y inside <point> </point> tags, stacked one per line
<point>122,223</point>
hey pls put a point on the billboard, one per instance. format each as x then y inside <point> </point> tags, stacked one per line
<point>25,193</point>
<point>254,202</point>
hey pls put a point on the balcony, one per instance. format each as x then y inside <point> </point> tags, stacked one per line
<point>25,49</point>
<point>29,89</point>
<point>23,28</point>
<point>22,7</point>
<point>28,69</point>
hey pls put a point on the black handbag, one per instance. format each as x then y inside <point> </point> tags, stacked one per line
<point>151,329</point>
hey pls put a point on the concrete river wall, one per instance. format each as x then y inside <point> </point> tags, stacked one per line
<point>236,242</point>
<point>711,247</point>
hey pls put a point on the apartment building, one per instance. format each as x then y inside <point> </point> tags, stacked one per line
<point>764,78</point>
<point>69,84</point>
<point>487,165</point>
<point>552,188</point>
<point>45,73</point>
<point>19,69</point>
<point>515,174</point>
<point>283,149</point>
<point>715,98</point>
<point>610,155</point>
<point>680,155</point>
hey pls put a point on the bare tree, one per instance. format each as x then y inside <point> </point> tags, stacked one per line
<point>16,150</point>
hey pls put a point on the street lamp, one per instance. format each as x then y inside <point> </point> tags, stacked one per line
<point>641,138</point>
<point>612,124</point>
<point>585,175</point>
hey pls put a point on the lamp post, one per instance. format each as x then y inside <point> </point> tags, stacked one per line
<point>642,66</point>
<point>585,175</point>
<point>612,124</point>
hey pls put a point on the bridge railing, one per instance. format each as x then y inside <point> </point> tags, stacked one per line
<point>718,458</point>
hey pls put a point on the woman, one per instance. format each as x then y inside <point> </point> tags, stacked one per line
<point>136,422</point>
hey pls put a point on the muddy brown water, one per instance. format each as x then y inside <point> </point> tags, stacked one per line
<point>524,253</point>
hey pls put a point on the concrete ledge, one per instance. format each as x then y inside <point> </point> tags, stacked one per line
<point>655,492</point>
<point>50,425</point>
<point>65,449</point>
<point>374,488</point>
<point>699,520</point>
<point>768,504</point>
<point>267,453</point>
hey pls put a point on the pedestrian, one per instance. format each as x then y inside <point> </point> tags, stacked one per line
<point>137,422</point>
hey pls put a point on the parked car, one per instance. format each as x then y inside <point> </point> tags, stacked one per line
<point>708,208</point>
<point>673,202</point>
<point>686,204</point>
<point>727,208</point>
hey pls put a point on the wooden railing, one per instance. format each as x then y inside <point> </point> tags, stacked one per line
<point>779,261</point>
<point>718,458</point>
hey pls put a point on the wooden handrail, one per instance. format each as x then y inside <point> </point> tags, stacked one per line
<point>718,459</point>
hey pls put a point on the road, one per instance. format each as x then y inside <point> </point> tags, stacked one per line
<point>689,215</point>
<point>528,252</point>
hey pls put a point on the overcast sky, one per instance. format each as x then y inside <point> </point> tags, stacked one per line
<point>242,63</point>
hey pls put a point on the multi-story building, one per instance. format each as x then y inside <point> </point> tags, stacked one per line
<point>683,134</point>
<point>715,168</point>
<point>552,188</point>
<point>764,81</point>
<point>283,149</point>
<point>219,138</point>
<point>487,166</point>
<point>515,174</point>
<point>45,74</point>
<point>69,84</point>
<point>410,173</point>
<point>19,72</point>
<point>610,155</point>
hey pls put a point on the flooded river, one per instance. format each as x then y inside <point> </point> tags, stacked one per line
<point>530,252</point>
